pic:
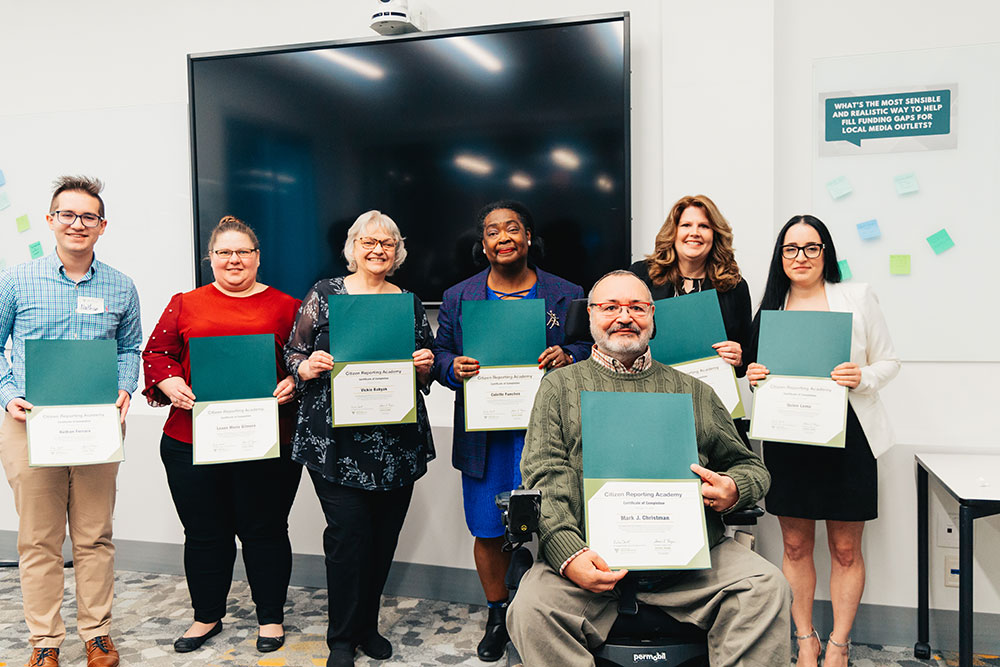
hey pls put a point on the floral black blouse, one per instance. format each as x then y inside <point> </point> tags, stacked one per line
<point>375,458</point>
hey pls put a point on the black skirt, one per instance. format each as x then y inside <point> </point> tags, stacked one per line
<point>810,482</point>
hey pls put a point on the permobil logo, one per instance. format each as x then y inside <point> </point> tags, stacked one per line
<point>659,656</point>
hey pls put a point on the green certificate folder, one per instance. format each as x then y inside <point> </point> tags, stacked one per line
<point>71,372</point>
<point>644,508</point>
<point>372,342</point>
<point>230,368</point>
<point>804,342</point>
<point>504,333</point>
<point>687,327</point>
<point>73,386</point>
<point>371,327</point>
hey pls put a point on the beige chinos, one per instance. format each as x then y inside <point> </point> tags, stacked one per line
<point>743,601</point>
<point>45,499</point>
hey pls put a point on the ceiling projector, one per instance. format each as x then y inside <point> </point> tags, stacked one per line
<point>393,17</point>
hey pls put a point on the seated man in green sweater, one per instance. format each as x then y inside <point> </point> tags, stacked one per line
<point>567,602</point>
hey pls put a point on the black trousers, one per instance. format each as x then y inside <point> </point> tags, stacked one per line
<point>217,503</point>
<point>362,529</point>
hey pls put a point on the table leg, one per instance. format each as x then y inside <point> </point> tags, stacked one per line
<point>965,535</point>
<point>922,649</point>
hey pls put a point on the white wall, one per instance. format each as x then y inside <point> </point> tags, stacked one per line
<point>721,105</point>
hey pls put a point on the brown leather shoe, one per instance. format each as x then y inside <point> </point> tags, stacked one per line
<point>101,652</point>
<point>44,657</point>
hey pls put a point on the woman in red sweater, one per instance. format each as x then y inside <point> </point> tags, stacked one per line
<point>249,499</point>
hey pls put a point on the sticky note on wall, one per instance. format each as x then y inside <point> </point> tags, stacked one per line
<point>36,250</point>
<point>23,224</point>
<point>4,201</point>
<point>906,184</point>
<point>845,270</point>
<point>3,179</point>
<point>940,241</point>
<point>839,187</point>
<point>899,265</point>
<point>869,230</point>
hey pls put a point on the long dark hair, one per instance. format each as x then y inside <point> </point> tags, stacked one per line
<point>777,282</point>
<point>536,251</point>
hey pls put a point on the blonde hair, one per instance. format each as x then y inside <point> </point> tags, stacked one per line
<point>230,223</point>
<point>720,265</point>
<point>366,221</point>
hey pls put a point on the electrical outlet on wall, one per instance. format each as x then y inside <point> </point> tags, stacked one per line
<point>951,571</point>
<point>947,535</point>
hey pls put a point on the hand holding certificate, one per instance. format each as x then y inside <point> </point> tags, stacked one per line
<point>799,402</point>
<point>73,387</point>
<point>373,379</point>
<point>505,337</point>
<point>690,325</point>
<point>644,506</point>
<point>235,415</point>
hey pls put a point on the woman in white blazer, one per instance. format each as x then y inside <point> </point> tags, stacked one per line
<point>839,486</point>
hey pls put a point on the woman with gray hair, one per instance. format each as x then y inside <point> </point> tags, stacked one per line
<point>363,475</point>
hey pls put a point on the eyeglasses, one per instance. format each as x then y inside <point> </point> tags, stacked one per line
<point>242,253</point>
<point>612,308</point>
<point>810,250</point>
<point>368,243</point>
<point>70,218</point>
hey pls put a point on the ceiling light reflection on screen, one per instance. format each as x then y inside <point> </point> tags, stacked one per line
<point>474,164</point>
<point>521,180</point>
<point>356,65</point>
<point>565,158</point>
<point>604,183</point>
<point>481,56</point>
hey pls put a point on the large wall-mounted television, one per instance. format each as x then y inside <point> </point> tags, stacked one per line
<point>427,128</point>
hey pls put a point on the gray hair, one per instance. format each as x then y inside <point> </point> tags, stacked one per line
<point>616,272</point>
<point>363,224</point>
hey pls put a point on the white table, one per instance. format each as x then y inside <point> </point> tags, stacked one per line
<point>974,481</point>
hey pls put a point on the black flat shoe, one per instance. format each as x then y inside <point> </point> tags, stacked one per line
<point>268,644</point>
<point>340,658</point>
<point>495,639</point>
<point>377,647</point>
<point>188,644</point>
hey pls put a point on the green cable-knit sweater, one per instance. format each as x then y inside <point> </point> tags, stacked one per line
<point>552,458</point>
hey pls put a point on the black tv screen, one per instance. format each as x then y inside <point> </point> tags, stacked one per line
<point>299,140</point>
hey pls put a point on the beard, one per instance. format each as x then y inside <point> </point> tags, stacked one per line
<point>627,347</point>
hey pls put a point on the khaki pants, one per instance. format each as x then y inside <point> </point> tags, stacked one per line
<point>743,601</point>
<point>45,498</point>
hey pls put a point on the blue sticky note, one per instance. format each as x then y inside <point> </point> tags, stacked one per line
<point>4,201</point>
<point>839,187</point>
<point>3,180</point>
<point>36,250</point>
<point>845,270</point>
<point>940,241</point>
<point>868,230</point>
<point>906,184</point>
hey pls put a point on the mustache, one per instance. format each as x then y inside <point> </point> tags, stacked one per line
<point>629,327</point>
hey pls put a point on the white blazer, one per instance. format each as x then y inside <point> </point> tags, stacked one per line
<point>872,351</point>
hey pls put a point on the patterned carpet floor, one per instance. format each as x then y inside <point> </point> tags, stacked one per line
<point>151,610</point>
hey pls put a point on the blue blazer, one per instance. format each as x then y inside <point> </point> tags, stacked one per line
<point>468,451</point>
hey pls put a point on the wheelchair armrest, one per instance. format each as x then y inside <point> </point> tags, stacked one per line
<point>744,517</point>
<point>520,562</point>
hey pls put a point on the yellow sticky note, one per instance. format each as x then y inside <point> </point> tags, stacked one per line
<point>23,224</point>
<point>899,265</point>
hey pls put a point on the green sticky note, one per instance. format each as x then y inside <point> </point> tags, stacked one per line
<point>4,201</point>
<point>371,327</point>
<point>899,265</point>
<point>3,264</point>
<point>940,241</point>
<point>804,342</point>
<point>845,270</point>
<point>906,184</point>
<point>232,368</point>
<point>687,327</point>
<point>36,251</point>
<point>71,372</point>
<point>23,224</point>
<point>839,187</point>
<point>504,333</point>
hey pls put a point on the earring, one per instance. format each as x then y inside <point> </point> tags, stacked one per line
<point>529,242</point>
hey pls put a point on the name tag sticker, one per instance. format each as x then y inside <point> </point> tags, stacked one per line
<point>89,305</point>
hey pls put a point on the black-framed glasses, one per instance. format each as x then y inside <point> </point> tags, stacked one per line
<point>810,250</point>
<point>368,243</point>
<point>242,253</point>
<point>612,308</point>
<point>70,217</point>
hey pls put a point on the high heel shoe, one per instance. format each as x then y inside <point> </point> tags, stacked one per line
<point>846,646</point>
<point>188,644</point>
<point>811,635</point>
